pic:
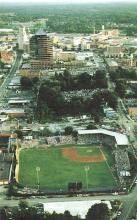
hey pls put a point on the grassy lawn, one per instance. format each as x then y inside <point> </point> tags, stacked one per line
<point>56,171</point>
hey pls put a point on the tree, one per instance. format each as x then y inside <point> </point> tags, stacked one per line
<point>110,98</point>
<point>23,204</point>
<point>120,88</point>
<point>50,101</point>
<point>100,78</point>
<point>91,126</point>
<point>75,135</point>
<point>67,80</point>
<point>96,116</point>
<point>19,134</point>
<point>76,105</point>
<point>3,215</point>
<point>24,212</point>
<point>84,81</point>
<point>1,64</point>
<point>68,130</point>
<point>67,215</point>
<point>96,100</point>
<point>26,82</point>
<point>35,80</point>
<point>98,212</point>
<point>46,132</point>
<point>114,75</point>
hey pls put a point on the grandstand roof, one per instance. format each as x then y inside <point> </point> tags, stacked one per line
<point>121,139</point>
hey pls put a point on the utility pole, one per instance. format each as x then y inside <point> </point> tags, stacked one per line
<point>86,173</point>
<point>38,181</point>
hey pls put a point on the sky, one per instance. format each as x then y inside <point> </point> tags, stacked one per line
<point>66,1</point>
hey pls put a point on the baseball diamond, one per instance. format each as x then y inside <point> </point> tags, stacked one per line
<point>62,164</point>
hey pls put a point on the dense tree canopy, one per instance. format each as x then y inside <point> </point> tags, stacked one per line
<point>51,101</point>
<point>83,81</point>
<point>72,18</point>
<point>28,83</point>
<point>98,212</point>
<point>26,212</point>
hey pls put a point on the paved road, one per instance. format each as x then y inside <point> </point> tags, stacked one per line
<point>128,200</point>
<point>128,205</point>
<point>128,124</point>
<point>32,201</point>
<point>10,75</point>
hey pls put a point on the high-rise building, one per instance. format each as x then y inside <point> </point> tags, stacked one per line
<point>23,39</point>
<point>41,50</point>
<point>114,51</point>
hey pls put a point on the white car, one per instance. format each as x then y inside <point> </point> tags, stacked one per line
<point>119,213</point>
<point>115,193</point>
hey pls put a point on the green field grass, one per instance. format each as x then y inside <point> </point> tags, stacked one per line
<point>56,171</point>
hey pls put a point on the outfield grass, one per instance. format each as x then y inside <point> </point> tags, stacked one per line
<point>56,171</point>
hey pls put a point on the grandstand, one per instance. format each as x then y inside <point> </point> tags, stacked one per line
<point>102,136</point>
<point>6,158</point>
<point>122,163</point>
<point>54,140</point>
<point>5,167</point>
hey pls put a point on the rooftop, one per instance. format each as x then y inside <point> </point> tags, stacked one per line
<point>41,32</point>
<point>18,101</point>
<point>12,110</point>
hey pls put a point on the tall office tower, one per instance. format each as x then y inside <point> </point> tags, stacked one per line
<point>41,49</point>
<point>23,39</point>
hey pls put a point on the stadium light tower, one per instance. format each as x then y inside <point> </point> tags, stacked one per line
<point>86,172</point>
<point>38,181</point>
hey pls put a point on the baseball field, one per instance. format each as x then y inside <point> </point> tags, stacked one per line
<point>57,166</point>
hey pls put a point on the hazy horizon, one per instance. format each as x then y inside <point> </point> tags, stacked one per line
<point>66,1</point>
